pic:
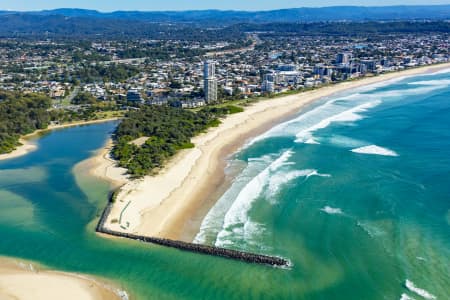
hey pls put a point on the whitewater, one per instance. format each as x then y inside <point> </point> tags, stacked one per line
<point>358,180</point>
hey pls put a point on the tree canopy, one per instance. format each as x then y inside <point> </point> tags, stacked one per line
<point>20,115</point>
<point>168,129</point>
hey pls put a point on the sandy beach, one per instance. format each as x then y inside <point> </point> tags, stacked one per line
<point>173,203</point>
<point>25,281</point>
<point>101,165</point>
<point>27,144</point>
<point>26,147</point>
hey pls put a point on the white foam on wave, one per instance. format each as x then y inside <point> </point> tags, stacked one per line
<point>311,141</point>
<point>350,115</point>
<point>406,297</point>
<point>331,210</point>
<point>421,292</point>
<point>336,110</point>
<point>254,229</point>
<point>264,158</point>
<point>286,128</point>
<point>237,223</point>
<point>238,213</point>
<point>310,117</point>
<point>346,142</point>
<point>442,82</point>
<point>374,150</point>
<point>278,180</point>
<point>402,93</point>
<point>421,258</point>
<point>213,221</point>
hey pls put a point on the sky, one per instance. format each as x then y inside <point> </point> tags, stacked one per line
<point>152,5</point>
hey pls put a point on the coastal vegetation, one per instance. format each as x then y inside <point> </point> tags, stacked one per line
<point>21,115</point>
<point>84,98</point>
<point>168,129</point>
<point>113,72</point>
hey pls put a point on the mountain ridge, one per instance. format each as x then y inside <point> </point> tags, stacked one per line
<point>303,14</point>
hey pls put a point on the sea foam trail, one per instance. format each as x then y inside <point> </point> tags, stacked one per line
<point>406,297</point>
<point>287,128</point>
<point>278,180</point>
<point>350,115</point>
<point>331,210</point>
<point>394,94</point>
<point>309,118</point>
<point>237,224</point>
<point>374,150</point>
<point>345,142</point>
<point>443,82</point>
<point>421,292</point>
<point>336,110</point>
<point>213,221</point>
<point>238,213</point>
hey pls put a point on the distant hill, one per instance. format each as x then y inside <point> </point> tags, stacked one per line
<point>214,25</point>
<point>337,13</point>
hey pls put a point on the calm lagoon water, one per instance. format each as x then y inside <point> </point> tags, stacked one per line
<point>354,192</point>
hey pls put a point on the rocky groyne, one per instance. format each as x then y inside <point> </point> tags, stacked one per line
<point>196,248</point>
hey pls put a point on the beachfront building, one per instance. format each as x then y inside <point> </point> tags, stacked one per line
<point>321,70</point>
<point>343,58</point>
<point>268,84</point>
<point>370,65</point>
<point>210,81</point>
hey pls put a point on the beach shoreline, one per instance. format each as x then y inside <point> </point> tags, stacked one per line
<point>27,141</point>
<point>103,166</point>
<point>26,147</point>
<point>173,203</point>
<point>25,280</point>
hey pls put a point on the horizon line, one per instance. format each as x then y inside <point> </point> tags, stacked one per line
<point>220,10</point>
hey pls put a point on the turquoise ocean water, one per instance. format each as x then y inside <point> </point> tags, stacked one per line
<point>355,192</point>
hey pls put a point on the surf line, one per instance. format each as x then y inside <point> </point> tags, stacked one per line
<point>191,247</point>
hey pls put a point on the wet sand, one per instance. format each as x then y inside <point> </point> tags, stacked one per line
<point>25,281</point>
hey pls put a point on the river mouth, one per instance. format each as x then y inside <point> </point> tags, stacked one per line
<point>375,222</point>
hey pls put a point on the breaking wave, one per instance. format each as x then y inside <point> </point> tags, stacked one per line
<point>237,216</point>
<point>331,210</point>
<point>406,92</point>
<point>344,108</point>
<point>278,180</point>
<point>406,297</point>
<point>442,82</point>
<point>213,221</point>
<point>421,292</point>
<point>237,224</point>
<point>337,110</point>
<point>350,115</point>
<point>374,150</point>
<point>345,142</point>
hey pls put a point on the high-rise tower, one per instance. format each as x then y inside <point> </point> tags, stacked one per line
<point>210,81</point>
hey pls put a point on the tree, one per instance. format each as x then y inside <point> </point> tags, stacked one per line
<point>84,98</point>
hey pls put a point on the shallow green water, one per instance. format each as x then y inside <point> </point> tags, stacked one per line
<point>357,228</point>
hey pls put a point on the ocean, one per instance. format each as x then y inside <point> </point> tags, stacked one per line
<point>354,191</point>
